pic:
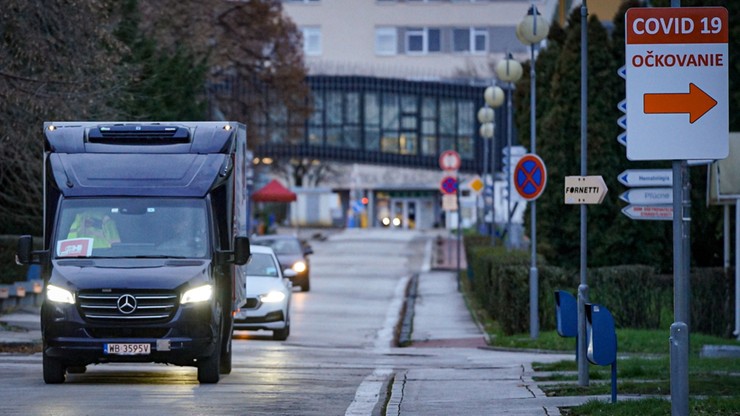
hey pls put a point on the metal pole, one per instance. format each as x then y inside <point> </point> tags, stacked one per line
<point>493,182</point>
<point>485,185</point>
<point>534,319</point>
<point>509,133</point>
<point>459,232</point>
<point>679,339</point>
<point>583,287</point>
<point>737,269</point>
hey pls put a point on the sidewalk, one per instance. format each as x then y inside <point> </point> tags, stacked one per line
<point>489,382</point>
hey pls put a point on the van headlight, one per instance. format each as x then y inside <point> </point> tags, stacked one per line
<point>198,294</point>
<point>299,267</point>
<point>59,295</point>
<point>273,296</point>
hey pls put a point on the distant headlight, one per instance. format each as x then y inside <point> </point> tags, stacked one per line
<point>198,294</point>
<point>57,294</point>
<point>272,297</point>
<point>299,267</point>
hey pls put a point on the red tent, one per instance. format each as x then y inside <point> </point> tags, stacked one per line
<point>274,192</point>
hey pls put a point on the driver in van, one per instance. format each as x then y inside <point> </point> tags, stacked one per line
<point>101,228</point>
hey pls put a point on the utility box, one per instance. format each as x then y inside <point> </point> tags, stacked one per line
<point>566,314</point>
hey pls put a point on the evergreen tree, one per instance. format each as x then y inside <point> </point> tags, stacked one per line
<point>168,84</point>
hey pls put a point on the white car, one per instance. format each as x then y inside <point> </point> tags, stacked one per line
<point>268,295</point>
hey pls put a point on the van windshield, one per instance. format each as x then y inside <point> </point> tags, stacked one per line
<point>132,227</point>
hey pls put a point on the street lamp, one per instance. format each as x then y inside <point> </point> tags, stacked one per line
<point>531,31</point>
<point>494,97</point>
<point>509,71</point>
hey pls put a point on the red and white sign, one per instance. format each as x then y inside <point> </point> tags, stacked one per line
<point>677,83</point>
<point>449,160</point>
<point>649,212</point>
<point>75,247</point>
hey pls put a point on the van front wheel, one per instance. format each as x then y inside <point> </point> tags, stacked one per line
<point>54,370</point>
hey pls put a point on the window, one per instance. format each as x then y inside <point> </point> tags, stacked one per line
<point>461,40</point>
<point>385,41</point>
<point>479,39</point>
<point>311,41</point>
<point>473,40</point>
<point>423,40</point>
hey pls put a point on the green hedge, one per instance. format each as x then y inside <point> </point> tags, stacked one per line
<point>635,295</point>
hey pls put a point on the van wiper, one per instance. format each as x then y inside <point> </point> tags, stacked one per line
<point>158,256</point>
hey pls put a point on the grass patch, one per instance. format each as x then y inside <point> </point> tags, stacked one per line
<point>643,368</point>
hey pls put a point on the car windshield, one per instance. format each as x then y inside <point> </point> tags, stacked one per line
<point>282,246</point>
<point>262,264</point>
<point>132,227</point>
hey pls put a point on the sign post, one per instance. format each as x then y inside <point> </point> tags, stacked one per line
<point>450,162</point>
<point>678,109</point>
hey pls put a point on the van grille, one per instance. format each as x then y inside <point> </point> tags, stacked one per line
<point>127,306</point>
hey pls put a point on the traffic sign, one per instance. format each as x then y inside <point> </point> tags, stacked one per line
<point>646,177</point>
<point>648,196</point>
<point>622,138</point>
<point>449,160</point>
<point>677,89</point>
<point>476,184</point>
<point>530,177</point>
<point>584,189</point>
<point>649,212</point>
<point>448,185</point>
<point>449,202</point>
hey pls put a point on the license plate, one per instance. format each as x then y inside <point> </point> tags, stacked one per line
<point>127,349</point>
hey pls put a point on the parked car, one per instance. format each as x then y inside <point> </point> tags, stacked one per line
<point>268,295</point>
<point>292,254</point>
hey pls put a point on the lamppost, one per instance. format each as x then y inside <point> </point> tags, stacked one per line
<point>494,97</point>
<point>509,71</point>
<point>531,31</point>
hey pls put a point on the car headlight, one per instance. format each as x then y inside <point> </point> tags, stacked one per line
<point>272,297</point>
<point>198,294</point>
<point>57,294</point>
<point>299,267</point>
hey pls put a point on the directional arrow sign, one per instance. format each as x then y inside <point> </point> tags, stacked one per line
<point>622,138</point>
<point>646,177</point>
<point>584,189</point>
<point>696,103</point>
<point>649,212</point>
<point>648,196</point>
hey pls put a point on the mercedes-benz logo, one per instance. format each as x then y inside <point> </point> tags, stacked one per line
<point>126,304</point>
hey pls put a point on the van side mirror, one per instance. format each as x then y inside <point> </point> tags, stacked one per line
<point>23,253</point>
<point>242,251</point>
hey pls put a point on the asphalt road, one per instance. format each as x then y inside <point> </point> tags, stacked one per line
<point>341,332</point>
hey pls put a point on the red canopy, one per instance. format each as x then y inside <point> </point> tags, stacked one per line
<point>274,192</point>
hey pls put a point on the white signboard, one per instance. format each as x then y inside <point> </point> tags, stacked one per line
<point>646,177</point>
<point>649,212</point>
<point>584,189</point>
<point>677,83</point>
<point>648,196</point>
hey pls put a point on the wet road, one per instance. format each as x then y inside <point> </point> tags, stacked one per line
<point>334,362</point>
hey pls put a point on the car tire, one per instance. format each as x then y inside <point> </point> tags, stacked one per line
<point>282,334</point>
<point>54,370</point>
<point>209,368</point>
<point>305,284</point>
<point>225,366</point>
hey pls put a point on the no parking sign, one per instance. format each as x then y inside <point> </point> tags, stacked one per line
<point>530,176</point>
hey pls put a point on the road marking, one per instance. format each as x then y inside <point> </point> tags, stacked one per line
<point>368,393</point>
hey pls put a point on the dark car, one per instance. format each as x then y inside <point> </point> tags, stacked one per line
<point>292,254</point>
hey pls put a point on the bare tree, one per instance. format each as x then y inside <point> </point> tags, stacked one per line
<point>58,61</point>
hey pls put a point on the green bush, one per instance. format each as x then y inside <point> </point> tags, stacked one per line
<point>636,296</point>
<point>631,293</point>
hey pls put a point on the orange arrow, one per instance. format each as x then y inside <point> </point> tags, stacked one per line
<point>696,103</point>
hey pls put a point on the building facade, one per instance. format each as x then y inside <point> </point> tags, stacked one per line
<point>393,84</point>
